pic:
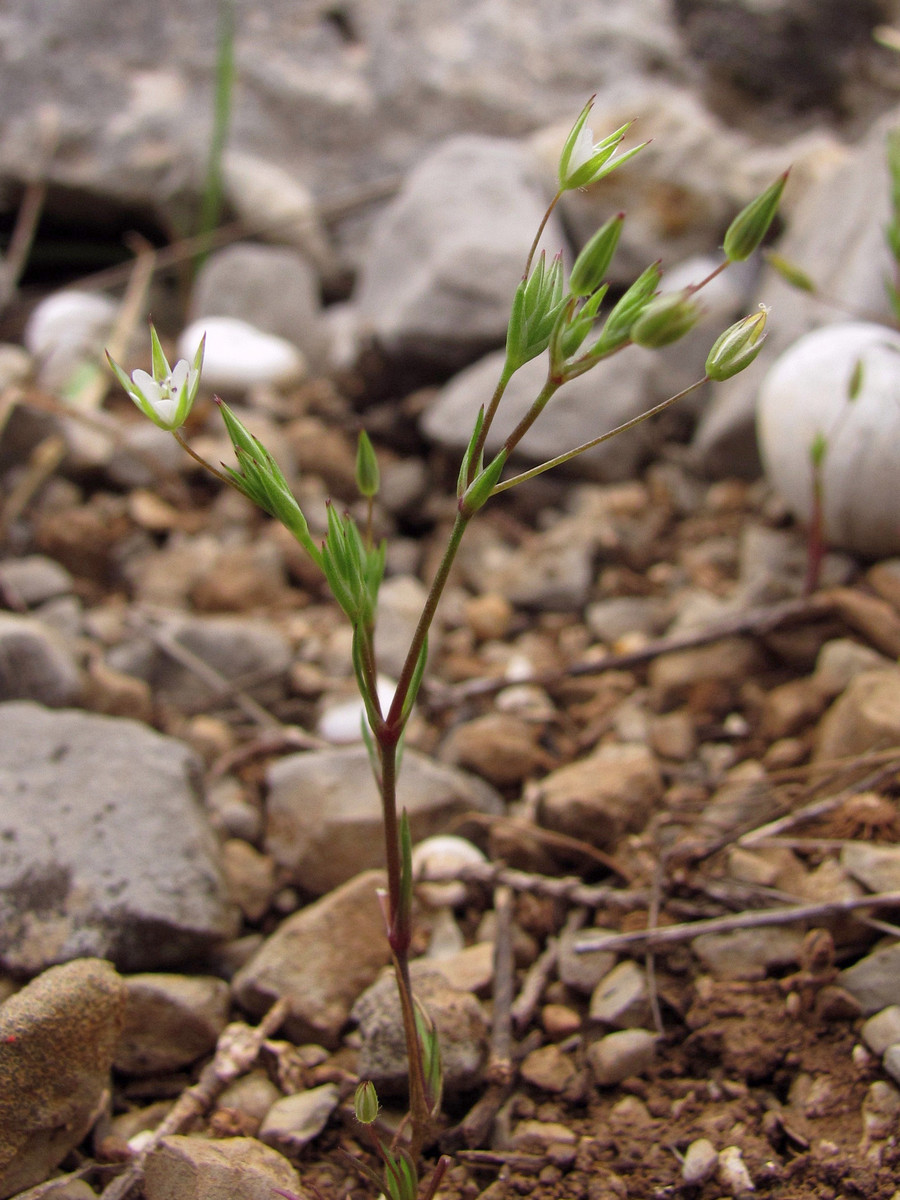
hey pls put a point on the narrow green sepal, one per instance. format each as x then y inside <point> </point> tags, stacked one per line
<point>414,684</point>
<point>159,363</point>
<point>790,272</point>
<point>432,1063</point>
<point>855,382</point>
<point>465,465</point>
<point>752,223</point>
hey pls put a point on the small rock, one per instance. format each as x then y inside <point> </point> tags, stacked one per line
<point>400,603</point>
<point>170,1021</point>
<point>560,1021</point>
<point>621,999</point>
<point>67,329</point>
<point>294,1121</point>
<point>437,863</point>
<point>876,867</point>
<point>252,1095</point>
<point>598,799</point>
<point>501,748</point>
<point>196,1168</point>
<point>549,1069</point>
<point>620,1055</point>
<point>582,972</point>
<point>700,1162</point>
<point>614,618</point>
<point>250,876</point>
<point>470,969</point>
<point>34,579</point>
<point>569,421</point>
<point>274,288</point>
<point>324,816</point>
<point>733,1173</point>
<point>875,980</point>
<point>234,647</point>
<point>458,1018</point>
<point>320,959</point>
<point>674,678</point>
<point>866,716</point>
<point>791,708</point>
<point>673,736</point>
<point>882,1029</point>
<point>342,723</point>
<point>239,356</point>
<point>841,660</point>
<point>35,663</point>
<point>880,1110</point>
<point>489,616</point>
<point>747,953</point>
<point>541,1135</point>
<point>57,1038</point>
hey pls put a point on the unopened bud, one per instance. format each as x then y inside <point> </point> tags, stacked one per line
<point>366,466</point>
<point>665,320</point>
<point>737,347</point>
<point>365,1102</point>
<point>593,262</point>
<point>752,223</point>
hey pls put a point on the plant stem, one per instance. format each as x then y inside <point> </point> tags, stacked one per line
<point>604,437</point>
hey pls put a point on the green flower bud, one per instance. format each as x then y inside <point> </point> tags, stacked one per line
<point>665,320</point>
<point>737,347</point>
<point>365,1103</point>
<point>593,262</point>
<point>367,478</point>
<point>752,223</point>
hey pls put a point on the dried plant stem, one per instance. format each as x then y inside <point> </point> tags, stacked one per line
<point>669,935</point>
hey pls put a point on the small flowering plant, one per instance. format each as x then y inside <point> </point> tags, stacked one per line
<point>571,321</point>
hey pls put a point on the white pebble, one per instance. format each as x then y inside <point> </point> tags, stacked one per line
<point>733,1173</point>
<point>700,1162</point>
<point>442,858</point>
<point>239,356</point>
<point>342,723</point>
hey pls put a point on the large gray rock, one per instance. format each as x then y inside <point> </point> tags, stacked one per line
<point>616,390</point>
<point>57,1037</point>
<point>449,251</point>
<point>234,647</point>
<point>106,849</point>
<point>324,815</point>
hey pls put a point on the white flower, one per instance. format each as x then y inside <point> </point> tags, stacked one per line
<point>584,161</point>
<point>166,396</point>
